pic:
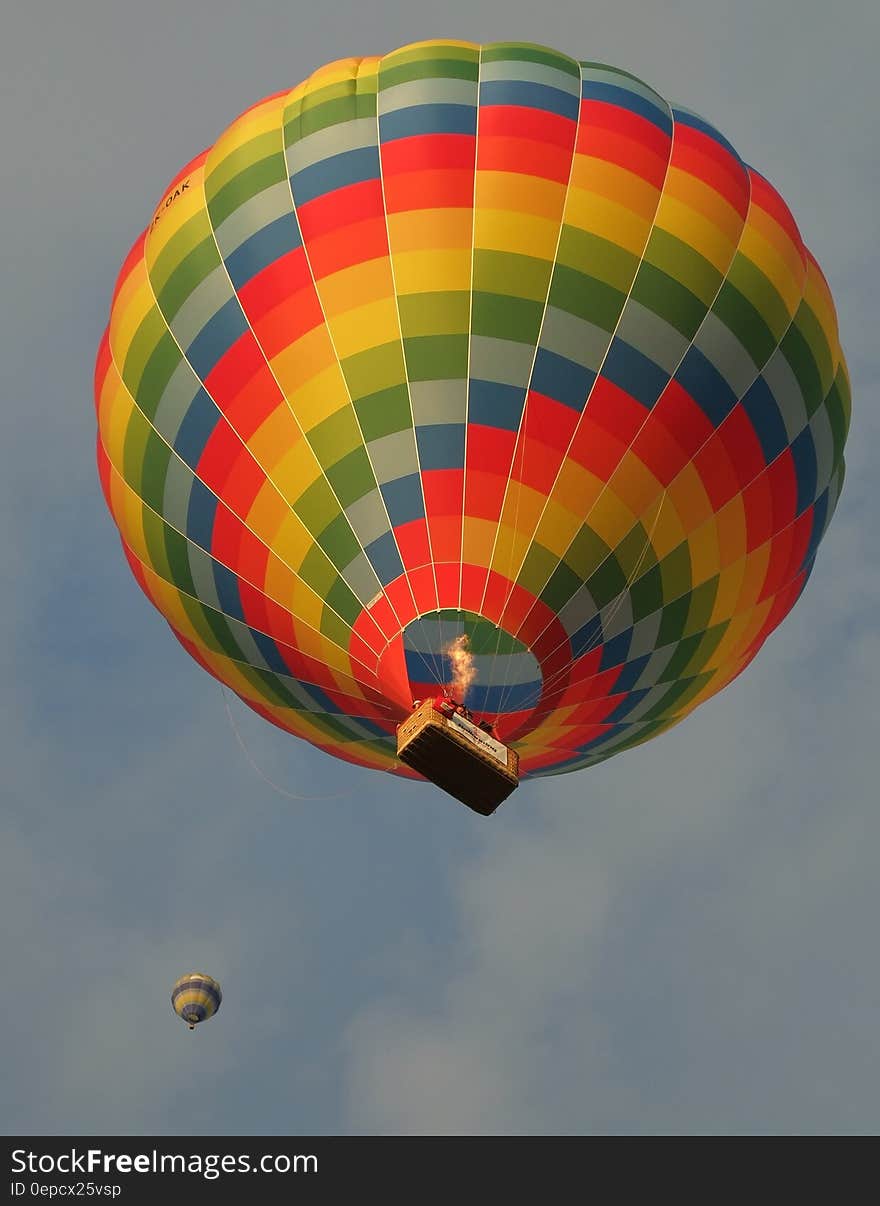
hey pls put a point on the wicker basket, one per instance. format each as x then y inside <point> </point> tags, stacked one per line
<point>458,757</point>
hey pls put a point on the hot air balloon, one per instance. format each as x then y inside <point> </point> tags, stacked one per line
<point>482,343</point>
<point>195,998</point>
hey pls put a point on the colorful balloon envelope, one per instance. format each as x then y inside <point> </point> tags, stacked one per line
<point>474,342</point>
<point>196,998</point>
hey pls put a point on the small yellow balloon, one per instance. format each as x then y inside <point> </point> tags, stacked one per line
<point>195,998</point>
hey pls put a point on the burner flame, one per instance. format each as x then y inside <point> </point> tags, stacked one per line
<point>463,669</point>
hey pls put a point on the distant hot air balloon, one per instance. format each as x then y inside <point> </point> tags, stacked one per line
<point>196,998</point>
<point>472,341</point>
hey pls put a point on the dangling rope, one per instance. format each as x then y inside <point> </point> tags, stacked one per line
<point>282,791</point>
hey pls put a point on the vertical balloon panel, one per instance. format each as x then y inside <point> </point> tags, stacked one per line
<point>428,97</point>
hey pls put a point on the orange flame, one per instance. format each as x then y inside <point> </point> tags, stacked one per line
<point>463,669</point>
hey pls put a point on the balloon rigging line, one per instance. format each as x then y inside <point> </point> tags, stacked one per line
<point>515,529</point>
<point>405,374</point>
<point>282,791</point>
<point>522,431</point>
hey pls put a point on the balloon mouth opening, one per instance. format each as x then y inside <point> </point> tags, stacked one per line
<point>473,659</point>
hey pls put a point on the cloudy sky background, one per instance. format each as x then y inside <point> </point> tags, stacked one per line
<point>683,939</point>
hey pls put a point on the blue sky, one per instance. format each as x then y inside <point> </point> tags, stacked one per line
<point>680,940</point>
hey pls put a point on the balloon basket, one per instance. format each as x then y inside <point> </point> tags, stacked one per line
<point>459,758</point>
